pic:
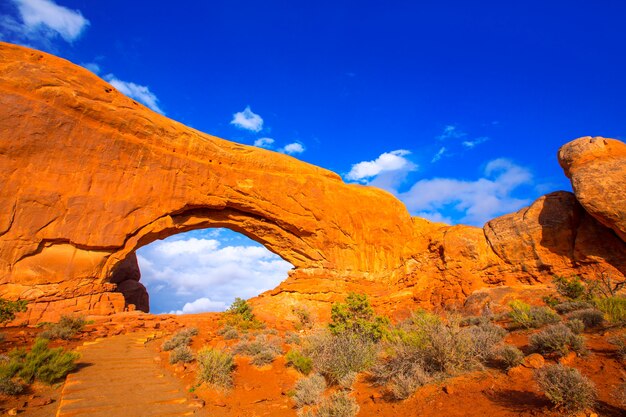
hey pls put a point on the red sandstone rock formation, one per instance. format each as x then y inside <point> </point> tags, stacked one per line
<point>89,175</point>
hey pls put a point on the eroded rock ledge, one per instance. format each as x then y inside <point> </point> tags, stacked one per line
<point>89,175</point>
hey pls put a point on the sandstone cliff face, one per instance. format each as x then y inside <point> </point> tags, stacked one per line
<point>89,176</point>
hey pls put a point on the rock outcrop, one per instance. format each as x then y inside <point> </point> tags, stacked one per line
<point>89,175</point>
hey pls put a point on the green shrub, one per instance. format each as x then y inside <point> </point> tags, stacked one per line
<point>41,363</point>
<point>65,329</point>
<point>338,404</point>
<point>566,387</point>
<point>9,308</point>
<point>530,317</point>
<point>241,308</point>
<point>558,339</point>
<point>569,306</point>
<point>240,315</point>
<point>181,338</point>
<point>357,316</point>
<point>614,308</point>
<point>182,354</point>
<point>215,367</point>
<point>334,356</point>
<point>575,325</point>
<point>300,362</point>
<point>10,387</point>
<point>571,288</point>
<point>589,316</point>
<point>510,356</point>
<point>309,390</point>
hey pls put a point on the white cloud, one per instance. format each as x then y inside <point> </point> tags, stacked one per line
<point>138,92</point>
<point>469,144</point>
<point>386,162</point>
<point>189,269</point>
<point>264,142</point>
<point>91,66</point>
<point>42,21</point>
<point>474,202</point>
<point>201,305</point>
<point>451,132</point>
<point>247,120</point>
<point>439,154</point>
<point>292,148</point>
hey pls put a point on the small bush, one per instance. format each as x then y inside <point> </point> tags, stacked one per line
<point>558,339</point>
<point>338,404</point>
<point>614,308</point>
<point>620,394</point>
<point>571,288</point>
<point>300,362</point>
<point>41,363</point>
<point>402,371</point>
<point>576,326</point>
<point>10,387</point>
<point>292,338</point>
<point>273,332</point>
<point>510,356</point>
<point>569,306</point>
<point>2,337</point>
<point>530,317</point>
<point>304,317</point>
<point>215,367</point>
<point>348,380</point>
<point>9,308</point>
<point>263,349</point>
<point>231,334</point>
<point>309,390</point>
<point>589,316</point>
<point>240,315</point>
<point>486,338</point>
<point>65,329</point>
<point>620,343</point>
<point>357,316</point>
<point>263,358</point>
<point>181,338</point>
<point>181,354</point>
<point>566,387</point>
<point>334,356</point>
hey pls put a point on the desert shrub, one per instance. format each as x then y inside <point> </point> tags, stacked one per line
<point>605,286</point>
<point>231,334</point>
<point>510,356</point>
<point>65,329</point>
<point>215,367</point>
<point>41,363</point>
<point>551,301</point>
<point>558,339</point>
<point>273,332</point>
<point>334,356</point>
<point>2,337</point>
<point>620,394</point>
<point>240,315</point>
<point>620,343</point>
<point>292,338</point>
<point>566,387</point>
<point>9,308</point>
<point>348,380</point>
<point>402,372</point>
<point>474,320</point>
<point>486,338</point>
<point>614,308</point>
<point>10,387</point>
<point>181,354</point>
<point>589,316</point>
<point>309,390</point>
<point>338,404</point>
<point>304,317</point>
<point>571,288</point>
<point>181,338</point>
<point>262,349</point>
<point>357,316</point>
<point>575,325</point>
<point>300,362</point>
<point>529,317</point>
<point>569,306</point>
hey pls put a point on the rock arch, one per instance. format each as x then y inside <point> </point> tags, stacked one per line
<point>89,175</point>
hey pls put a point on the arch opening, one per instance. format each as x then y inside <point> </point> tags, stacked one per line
<point>199,271</point>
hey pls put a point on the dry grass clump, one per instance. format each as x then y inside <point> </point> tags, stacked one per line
<point>262,349</point>
<point>65,329</point>
<point>181,354</point>
<point>614,308</point>
<point>215,367</point>
<point>181,338</point>
<point>529,317</point>
<point>566,387</point>
<point>309,390</point>
<point>590,317</point>
<point>510,356</point>
<point>569,306</point>
<point>339,404</point>
<point>558,339</point>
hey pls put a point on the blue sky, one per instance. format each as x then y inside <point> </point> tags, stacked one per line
<point>458,108</point>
